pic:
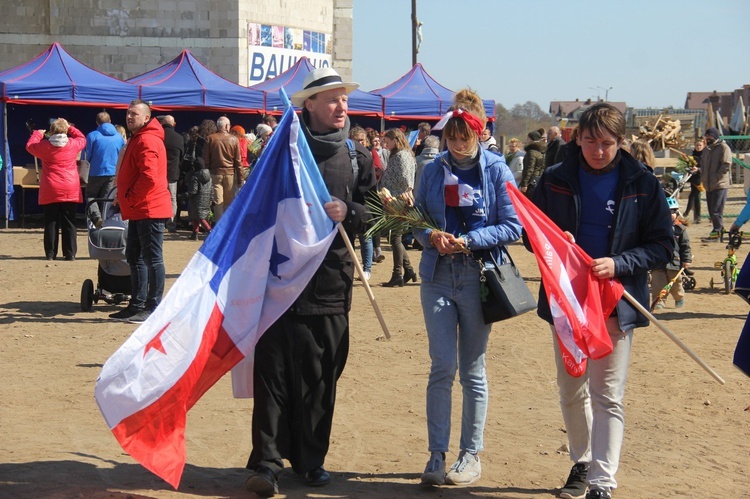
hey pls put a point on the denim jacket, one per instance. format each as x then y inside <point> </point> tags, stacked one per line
<point>503,226</point>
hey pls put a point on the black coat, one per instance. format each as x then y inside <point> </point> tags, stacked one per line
<point>330,289</point>
<point>550,155</point>
<point>175,146</point>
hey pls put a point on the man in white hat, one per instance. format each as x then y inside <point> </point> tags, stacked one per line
<point>299,359</point>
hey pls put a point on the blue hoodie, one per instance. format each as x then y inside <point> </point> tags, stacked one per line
<point>102,148</point>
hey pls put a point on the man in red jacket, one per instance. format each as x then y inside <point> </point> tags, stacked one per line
<point>144,200</point>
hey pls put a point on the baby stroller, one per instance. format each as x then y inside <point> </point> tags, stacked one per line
<point>107,245</point>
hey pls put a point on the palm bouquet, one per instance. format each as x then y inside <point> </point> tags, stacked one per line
<point>395,213</point>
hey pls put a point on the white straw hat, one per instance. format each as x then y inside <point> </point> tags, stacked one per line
<point>320,80</point>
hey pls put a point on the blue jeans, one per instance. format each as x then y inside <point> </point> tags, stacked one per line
<point>144,255</point>
<point>365,246</point>
<point>458,340</point>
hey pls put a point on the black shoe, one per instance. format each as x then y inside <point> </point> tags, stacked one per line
<point>410,275</point>
<point>194,236</point>
<point>575,487</point>
<point>140,317</point>
<point>396,280</point>
<point>69,258</point>
<point>263,482</point>
<point>318,477</point>
<point>124,314</point>
<point>378,257</point>
<point>597,493</point>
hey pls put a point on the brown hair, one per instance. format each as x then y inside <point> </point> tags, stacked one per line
<point>600,118</point>
<point>468,100</point>
<point>399,138</point>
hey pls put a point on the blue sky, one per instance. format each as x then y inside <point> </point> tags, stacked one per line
<point>650,52</point>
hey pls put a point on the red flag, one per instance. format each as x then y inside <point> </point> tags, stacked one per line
<point>579,315</point>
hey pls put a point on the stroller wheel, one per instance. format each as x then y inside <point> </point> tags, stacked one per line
<point>688,282</point>
<point>87,295</point>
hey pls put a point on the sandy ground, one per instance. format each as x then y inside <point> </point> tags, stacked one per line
<point>686,435</point>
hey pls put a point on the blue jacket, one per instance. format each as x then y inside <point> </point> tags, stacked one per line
<point>102,147</point>
<point>503,226</point>
<point>641,237</point>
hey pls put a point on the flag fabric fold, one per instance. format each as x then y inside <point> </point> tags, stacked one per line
<point>250,269</point>
<point>579,302</point>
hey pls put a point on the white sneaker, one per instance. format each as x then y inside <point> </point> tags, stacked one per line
<point>434,472</point>
<point>465,471</point>
<point>366,274</point>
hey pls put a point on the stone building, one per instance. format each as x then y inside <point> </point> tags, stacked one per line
<point>125,38</point>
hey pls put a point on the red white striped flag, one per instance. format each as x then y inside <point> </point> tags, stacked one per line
<point>579,302</point>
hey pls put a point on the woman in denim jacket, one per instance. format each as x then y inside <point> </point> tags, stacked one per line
<point>463,191</point>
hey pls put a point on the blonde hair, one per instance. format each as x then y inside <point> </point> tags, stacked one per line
<point>642,152</point>
<point>60,125</point>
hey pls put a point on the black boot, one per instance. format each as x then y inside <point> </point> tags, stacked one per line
<point>410,275</point>
<point>396,280</point>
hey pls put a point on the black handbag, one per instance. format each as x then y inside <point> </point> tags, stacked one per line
<point>503,292</point>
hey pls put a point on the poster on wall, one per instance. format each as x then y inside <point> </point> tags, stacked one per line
<point>274,49</point>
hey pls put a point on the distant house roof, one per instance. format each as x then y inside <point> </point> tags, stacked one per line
<point>700,100</point>
<point>572,109</point>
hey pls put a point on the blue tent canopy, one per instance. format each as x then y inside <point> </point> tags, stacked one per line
<point>185,83</point>
<point>360,103</point>
<point>417,95</point>
<point>56,78</point>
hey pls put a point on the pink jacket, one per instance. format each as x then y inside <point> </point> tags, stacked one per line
<point>59,182</point>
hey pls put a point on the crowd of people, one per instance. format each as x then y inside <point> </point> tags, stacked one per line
<point>598,188</point>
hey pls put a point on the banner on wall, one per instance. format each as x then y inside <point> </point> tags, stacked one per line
<point>274,49</point>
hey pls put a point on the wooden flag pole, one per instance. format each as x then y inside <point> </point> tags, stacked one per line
<point>364,281</point>
<point>672,336</point>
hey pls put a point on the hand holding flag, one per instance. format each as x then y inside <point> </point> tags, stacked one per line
<point>579,315</point>
<point>251,268</point>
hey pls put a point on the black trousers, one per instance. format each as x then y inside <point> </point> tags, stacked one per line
<point>60,217</point>
<point>297,363</point>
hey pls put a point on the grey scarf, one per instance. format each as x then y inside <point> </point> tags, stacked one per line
<point>324,144</point>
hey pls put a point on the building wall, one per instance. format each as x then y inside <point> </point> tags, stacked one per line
<point>125,38</point>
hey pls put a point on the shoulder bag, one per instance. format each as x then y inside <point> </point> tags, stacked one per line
<point>503,292</point>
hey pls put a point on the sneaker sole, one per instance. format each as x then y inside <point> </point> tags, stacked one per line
<point>568,495</point>
<point>453,481</point>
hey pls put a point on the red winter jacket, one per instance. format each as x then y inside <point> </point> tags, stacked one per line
<point>142,189</point>
<point>59,182</point>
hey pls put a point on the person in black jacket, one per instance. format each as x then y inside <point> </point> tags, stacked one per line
<point>299,359</point>
<point>175,145</point>
<point>555,142</point>
<point>615,209</point>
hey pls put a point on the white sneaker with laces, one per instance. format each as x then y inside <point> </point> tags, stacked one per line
<point>367,274</point>
<point>434,472</point>
<point>465,471</point>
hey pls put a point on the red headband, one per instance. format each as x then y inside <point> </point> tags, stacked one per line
<point>472,121</point>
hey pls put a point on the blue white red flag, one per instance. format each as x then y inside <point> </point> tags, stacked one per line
<point>457,193</point>
<point>578,313</point>
<point>251,268</point>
